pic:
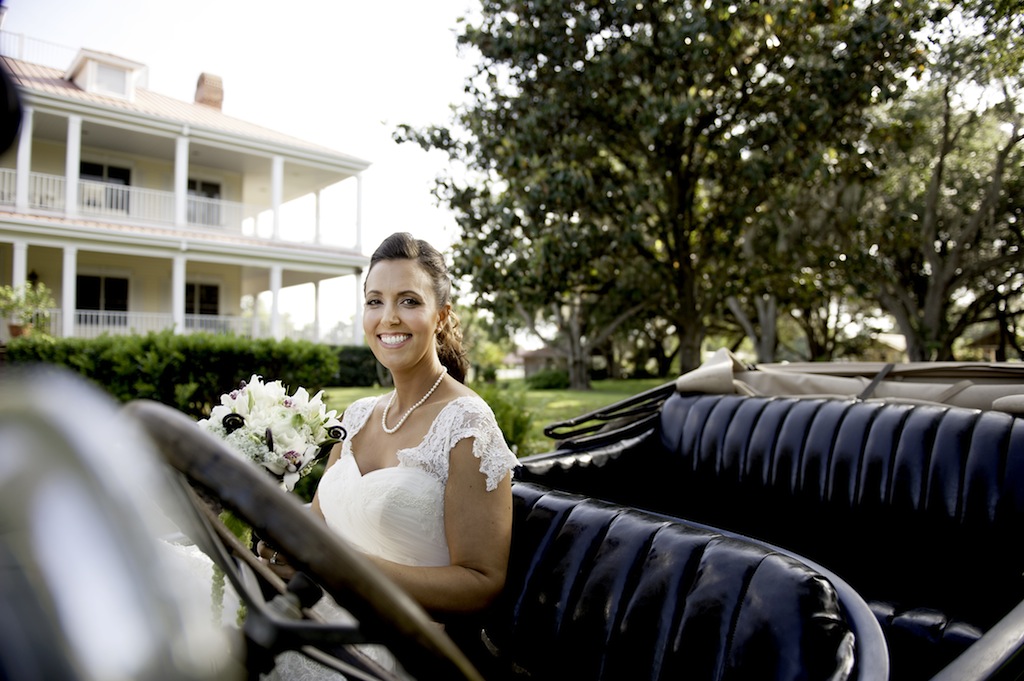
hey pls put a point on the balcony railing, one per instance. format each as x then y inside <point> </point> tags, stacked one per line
<point>96,323</point>
<point>45,192</point>
<point>8,190</point>
<point>252,327</point>
<point>37,51</point>
<point>135,204</point>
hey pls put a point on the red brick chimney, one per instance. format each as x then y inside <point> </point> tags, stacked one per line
<point>210,90</point>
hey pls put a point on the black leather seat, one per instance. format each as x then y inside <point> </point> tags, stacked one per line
<point>599,591</point>
<point>919,507</point>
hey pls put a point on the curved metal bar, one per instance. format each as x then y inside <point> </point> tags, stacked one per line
<point>385,612</point>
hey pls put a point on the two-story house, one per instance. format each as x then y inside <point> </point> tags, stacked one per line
<point>142,212</point>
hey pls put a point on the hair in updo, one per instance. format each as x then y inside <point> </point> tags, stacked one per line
<point>403,246</point>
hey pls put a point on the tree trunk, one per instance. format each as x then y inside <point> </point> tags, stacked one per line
<point>664,360</point>
<point>767,314</point>
<point>579,374</point>
<point>916,347</point>
<point>762,334</point>
<point>579,354</point>
<point>612,357</point>
<point>689,318</point>
<point>691,337</point>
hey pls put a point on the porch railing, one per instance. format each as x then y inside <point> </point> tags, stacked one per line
<point>37,51</point>
<point>45,192</point>
<point>95,323</point>
<point>118,202</point>
<point>8,189</point>
<point>252,327</point>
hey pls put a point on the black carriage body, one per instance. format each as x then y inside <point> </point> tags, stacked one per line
<point>918,506</point>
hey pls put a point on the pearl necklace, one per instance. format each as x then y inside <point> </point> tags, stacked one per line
<point>384,416</point>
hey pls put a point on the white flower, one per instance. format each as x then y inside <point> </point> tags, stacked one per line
<point>283,433</point>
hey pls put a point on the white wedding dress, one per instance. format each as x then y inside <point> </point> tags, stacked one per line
<point>398,513</point>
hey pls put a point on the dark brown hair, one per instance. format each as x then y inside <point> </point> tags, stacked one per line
<point>403,246</point>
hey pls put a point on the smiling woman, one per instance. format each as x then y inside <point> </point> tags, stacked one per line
<point>402,318</point>
<point>408,284</point>
<point>425,496</point>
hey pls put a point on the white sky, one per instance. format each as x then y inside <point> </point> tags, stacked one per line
<point>339,73</point>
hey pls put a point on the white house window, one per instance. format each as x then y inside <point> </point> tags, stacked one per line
<point>106,74</point>
<point>203,300</point>
<point>112,80</point>
<point>101,300</point>
<point>104,198</point>
<point>203,203</point>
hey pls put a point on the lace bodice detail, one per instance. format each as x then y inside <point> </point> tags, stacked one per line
<point>397,513</point>
<point>461,418</point>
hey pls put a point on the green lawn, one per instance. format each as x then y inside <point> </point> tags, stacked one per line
<point>546,406</point>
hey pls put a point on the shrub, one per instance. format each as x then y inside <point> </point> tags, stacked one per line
<point>357,367</point>
<point>509,407</point>
<point>27,304</point>
<point>549,379</point>
<point>188,372</point>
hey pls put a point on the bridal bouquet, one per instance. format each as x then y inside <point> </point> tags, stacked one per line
<point>284,433</point>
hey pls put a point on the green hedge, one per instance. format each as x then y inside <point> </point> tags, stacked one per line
<point>357,367</point>
<point>510,411</point>
<point>190,372</point>
<point>548,379</point>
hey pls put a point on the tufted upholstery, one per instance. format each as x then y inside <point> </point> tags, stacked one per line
<point>919,507</point>
<point>597,591</point>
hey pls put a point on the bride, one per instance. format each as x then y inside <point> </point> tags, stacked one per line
<point>422,483</point>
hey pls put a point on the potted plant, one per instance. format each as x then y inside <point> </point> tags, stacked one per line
<point>25,306</point>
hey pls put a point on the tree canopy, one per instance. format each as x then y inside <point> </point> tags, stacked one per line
<point>939,233</point>
<point>672,158</point>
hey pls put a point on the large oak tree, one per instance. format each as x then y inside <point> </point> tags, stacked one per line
<point>940,236</point>
<point>605,136</point>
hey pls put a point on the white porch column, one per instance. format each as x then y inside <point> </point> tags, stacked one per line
<point>73,164</point>
<point>277,192</point>
<point>181,180</point>
<point>19,263</point>
<point>24,162</point>
<point>317,198</point>
<point>275,294</point>
<point>68,301</point>
<point>357,318</point>
<point>359,217</point>
<point>316,311</point>
<point>178,292</point>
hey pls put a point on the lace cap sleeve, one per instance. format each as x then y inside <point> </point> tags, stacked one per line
<point>475,419</point>
<point>355,416</point>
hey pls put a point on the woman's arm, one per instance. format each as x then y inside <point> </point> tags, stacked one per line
<point>332,459</point>
<point>278,562</point>
<point>478,526</point>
